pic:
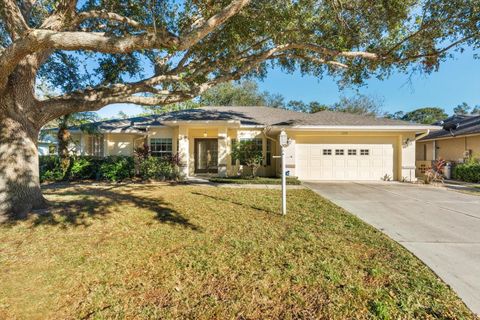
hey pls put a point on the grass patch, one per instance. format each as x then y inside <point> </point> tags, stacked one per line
<point>159,251</point>
<point>256,180</point>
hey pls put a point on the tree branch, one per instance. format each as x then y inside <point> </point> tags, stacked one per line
<point>14,21</point>
<point>200,32</point>
<point>105,15</point>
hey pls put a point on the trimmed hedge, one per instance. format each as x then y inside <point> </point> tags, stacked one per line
<point>469,172</point>
<point>112,168</point>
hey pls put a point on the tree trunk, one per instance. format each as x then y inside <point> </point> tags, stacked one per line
<point>63,137</point>
<point>19,172</point>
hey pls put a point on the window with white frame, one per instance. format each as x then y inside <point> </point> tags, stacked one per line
<point>364,152</point>
<point>352,152</point>
<point>269,152</point>
<point>95,145</point>
<point>161,147</point>
<point>327,152</point>
<point>339,152</point>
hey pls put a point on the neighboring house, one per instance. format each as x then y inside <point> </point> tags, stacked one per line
<point>47,145</point>
<point>324,146</point>
<point>459,139</point>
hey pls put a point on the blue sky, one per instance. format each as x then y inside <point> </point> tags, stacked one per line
<point>457,80</point>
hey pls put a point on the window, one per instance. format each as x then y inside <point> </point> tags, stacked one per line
<point>364,152</point>
<point>327,152</point>
<point>268,154</point>
<point>339,152</point>
<point>161,147</point>
<point>95,145</point>
<point>352,152</point>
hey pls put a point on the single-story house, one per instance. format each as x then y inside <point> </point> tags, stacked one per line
<point>47,145</point>
<point>323,146</point>
<point>458,139</point>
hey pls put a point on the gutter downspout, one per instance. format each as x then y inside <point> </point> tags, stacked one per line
<point>423,135</point>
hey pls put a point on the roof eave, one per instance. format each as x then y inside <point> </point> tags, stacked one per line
<point>426,139</point>
<point>409,128</point>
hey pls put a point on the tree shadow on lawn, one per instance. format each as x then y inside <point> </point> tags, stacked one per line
<point>245,205</point>
<point>77,205</point>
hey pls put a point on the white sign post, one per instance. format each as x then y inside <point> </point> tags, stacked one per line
<point>284,144</point>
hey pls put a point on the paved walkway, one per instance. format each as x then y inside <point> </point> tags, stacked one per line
<point>440,226</point>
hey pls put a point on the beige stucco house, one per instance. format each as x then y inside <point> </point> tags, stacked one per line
<point>323,146</point>
<point>458,139</point>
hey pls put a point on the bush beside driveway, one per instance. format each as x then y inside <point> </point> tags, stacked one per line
<point>162,251</point>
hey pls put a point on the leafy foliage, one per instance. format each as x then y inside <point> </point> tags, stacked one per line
<point>427,115</point>
<point>243,94</point>
<point>435,173</point>
<point>394,34</point>
<point>117,168</point>
<point>359,104</point>
<point>114,168</point>
<point>468,171</point>
<point>249,154</point>
<point>154,168</point>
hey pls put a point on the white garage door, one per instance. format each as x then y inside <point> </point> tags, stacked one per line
<point>344,161</point>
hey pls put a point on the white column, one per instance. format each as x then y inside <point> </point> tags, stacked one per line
<point>106,152</point>
<point>183,150</point>
<point>408,157</point>
<point>222,151</point>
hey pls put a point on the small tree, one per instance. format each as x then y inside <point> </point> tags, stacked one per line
<point>248,153</point>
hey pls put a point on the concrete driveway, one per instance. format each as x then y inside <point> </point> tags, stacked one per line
<point>441,227</point>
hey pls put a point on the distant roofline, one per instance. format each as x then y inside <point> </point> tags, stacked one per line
<point>238,116</point>
<point>450,137</point>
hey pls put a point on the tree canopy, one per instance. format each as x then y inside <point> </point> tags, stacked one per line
<point>465,109</point>
<point>427,115</point>
<point>247,93</point>
<point>97,52</point>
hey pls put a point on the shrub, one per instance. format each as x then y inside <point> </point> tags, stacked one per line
<point>117,168</point>
<point>469,172</point>
<point>84,168</point>
<point>50,169</point>
<point>435,174</point>
<point>248,153</point>
<point>157,168</point>
<point>112,168</point>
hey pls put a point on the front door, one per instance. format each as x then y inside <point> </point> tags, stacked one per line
<point>206,155</point>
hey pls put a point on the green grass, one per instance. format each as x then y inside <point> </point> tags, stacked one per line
<point>256,180</point>
<point>159,251</point>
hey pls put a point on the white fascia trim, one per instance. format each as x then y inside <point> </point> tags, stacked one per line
<point>253,126</point>
<point>202,122</point>
<point>452,137</point>
<point>361,128</point>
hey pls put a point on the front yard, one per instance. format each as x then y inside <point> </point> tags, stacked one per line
<point>160,251</point>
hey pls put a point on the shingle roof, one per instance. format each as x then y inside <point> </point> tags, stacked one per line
<point>333,118</point>
<point>458,125</point>
<point>250,116</point>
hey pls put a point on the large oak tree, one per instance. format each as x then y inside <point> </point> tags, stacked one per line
<point>156,52</point>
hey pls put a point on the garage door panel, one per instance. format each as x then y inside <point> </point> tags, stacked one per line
<point>345,162</point>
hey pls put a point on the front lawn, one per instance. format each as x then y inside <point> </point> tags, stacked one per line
<point>159,251</point>
<point>256,180</point>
